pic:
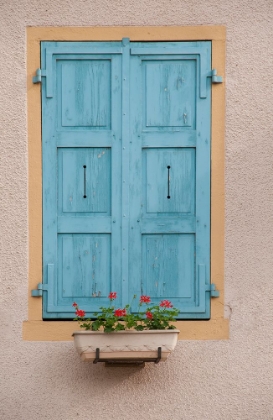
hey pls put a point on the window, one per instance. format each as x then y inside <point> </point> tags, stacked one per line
<point>126,174</point>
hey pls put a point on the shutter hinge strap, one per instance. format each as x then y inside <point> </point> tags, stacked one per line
<point>39,74</point>
<point>39,291</point>
<point>214,77</point>
<point>212,289</point>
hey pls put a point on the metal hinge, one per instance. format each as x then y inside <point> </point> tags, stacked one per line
<point>39,74</point>
<point>39,291</point>
<point>212,289</point>
<point>214,77</point>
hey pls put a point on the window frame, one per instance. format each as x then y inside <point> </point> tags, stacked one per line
<point>35,329</point>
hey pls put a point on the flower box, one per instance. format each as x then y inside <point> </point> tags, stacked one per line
<point>125,345</point>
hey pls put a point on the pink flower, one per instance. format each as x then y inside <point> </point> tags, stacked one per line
<point>74,304</point>
<point>149,315</point>
<point>120,312</point>
<point>80,313</point>
<point>145,299</point>
<point>165,304</point>
<point>112,295</point>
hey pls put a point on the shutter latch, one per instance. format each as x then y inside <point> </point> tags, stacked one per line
<point>214,77</point>
<point>39,291</point>
<point>212,289</point>
<point>39,74</point>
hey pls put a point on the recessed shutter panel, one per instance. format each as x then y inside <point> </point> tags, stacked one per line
<point>170,174</point>
<point>81,175</point>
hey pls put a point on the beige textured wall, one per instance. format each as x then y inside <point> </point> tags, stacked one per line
<point>229,380</point>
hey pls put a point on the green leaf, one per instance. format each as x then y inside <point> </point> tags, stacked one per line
<point>119,327</point>
<point>139,328</point>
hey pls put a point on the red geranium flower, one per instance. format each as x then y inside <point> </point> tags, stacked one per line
<point>145,299</point>
<point>120,312</point>
<point>112,295</point>
<point>74,304</point>
<point>165,304</point>
<point>80,313</point>
<point>149,315</point>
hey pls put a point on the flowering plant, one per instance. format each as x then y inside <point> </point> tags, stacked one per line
<point>148,317</point>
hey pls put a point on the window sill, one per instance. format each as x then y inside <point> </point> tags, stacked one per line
<point>214,329</point>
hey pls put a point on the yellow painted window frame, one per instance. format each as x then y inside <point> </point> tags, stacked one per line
<point>35,329</point>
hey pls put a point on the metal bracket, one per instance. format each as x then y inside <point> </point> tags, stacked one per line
<point>127,362</point>
<point>39,74</point>
<point>214,77</point>
<point>39,291</point>
<point>212,289</point>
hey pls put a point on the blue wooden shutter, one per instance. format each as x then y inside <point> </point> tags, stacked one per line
<point>81,198</point>
<point>126,175</point>
<point>170,174</point>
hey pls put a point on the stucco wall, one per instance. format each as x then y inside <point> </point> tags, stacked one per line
<point>203,379</point>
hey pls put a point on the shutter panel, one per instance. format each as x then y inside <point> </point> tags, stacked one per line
<point>126,175</point>
<point>170,174</point>
<point>81,197</point>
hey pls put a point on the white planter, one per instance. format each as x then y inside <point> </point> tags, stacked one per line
<point>125,345</point>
